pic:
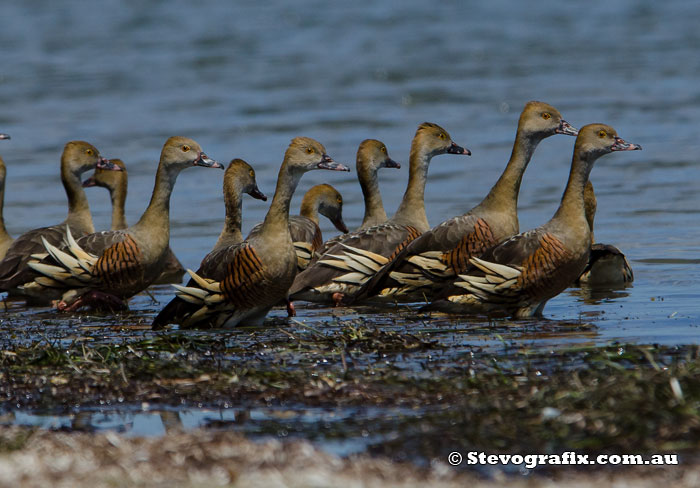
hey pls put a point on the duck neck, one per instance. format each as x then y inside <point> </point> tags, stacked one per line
<point>374,207</point>
<point>231,233</point>
<point>3,231</point>
<point>590,206</point>
<point>156,219</point>
<point>572,207</point>
<point>277,219</point>
<point>118,197</point>
<point>412,208</point>
<point>309,208</point>
<point>503,196</point>
<point>79,218</point>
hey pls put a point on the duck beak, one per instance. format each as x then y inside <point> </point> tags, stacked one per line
<point>107,164</point>
<point>622,145</point>
<point>206,161</point>
<point>4,136</point>
<point>89,182</point>
<point>390,163</point>
<point>339,224</point>
<point>566,129</point>
<point>256,193</point>
<point>328,163</point>
<point>455,149</point>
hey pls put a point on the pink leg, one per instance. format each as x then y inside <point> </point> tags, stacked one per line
<point>338,299</point>
<point>291,312</point>
<point>94,299</point>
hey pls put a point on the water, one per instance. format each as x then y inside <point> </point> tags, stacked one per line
<point>244,79</point>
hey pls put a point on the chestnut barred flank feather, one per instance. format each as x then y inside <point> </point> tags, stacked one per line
<point>120,265</point>
<point>472,244</point>
<point>539,273</point>
<point>244,282</point>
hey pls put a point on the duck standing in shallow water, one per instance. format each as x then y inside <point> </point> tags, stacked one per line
<point>260,270</point>
<point>239,178</point>
<point>344,268</point>
<point>519,275</point>
<point>104,269</point>
<point>78,157</point>
<point>438,255</point>
<point>116,182</point>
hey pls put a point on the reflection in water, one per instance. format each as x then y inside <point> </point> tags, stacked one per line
<point>595,295</point>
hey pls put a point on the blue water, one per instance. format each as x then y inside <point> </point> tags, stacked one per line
<point>244,78</point>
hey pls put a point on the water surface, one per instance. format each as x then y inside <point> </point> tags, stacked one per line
<point>244,78</point>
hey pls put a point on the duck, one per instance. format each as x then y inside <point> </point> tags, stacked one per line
<point>518,276</point>
<point>339,273</point>
<point>259,270</point>
<point>77,158</point>
<point>372,155</point>
<point>5,238</point>
<point>607,265</point>
<point>117,183</point>
<point>444,251</point>
<point>239,178</point>
<point>102,270</point>
<point>306,234</point>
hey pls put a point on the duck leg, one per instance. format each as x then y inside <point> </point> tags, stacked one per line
<point>291,311</point>
<point>338,299</point>
<point>93,299</point>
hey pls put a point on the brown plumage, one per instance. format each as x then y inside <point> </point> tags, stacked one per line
<point>106,268</point>
<point>77,158</point>
<point>239,178</point>
<point>472,244</point>
<point>520,274</point>
<point>259,270</point>
<point>607,265</point>
<point>341,271</point>
<point>444,251</point>
<point>5,238</point>
<point>244,281</point>
<point>304,228</point>
<point>116,182</point>
<point>372,155</point>
<point>120,265</point>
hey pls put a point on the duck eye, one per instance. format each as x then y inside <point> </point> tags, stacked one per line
<point>185,148</point>
<point>252,173</point>
<point>546,116</point>
<point>442,136</point>
<point>89,152</point>
<point>384,149</point>
<point>339,200</point>
<point>310,150</point>
<point>602,133</point>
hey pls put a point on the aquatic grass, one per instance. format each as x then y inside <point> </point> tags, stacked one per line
<point>514,398</point>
